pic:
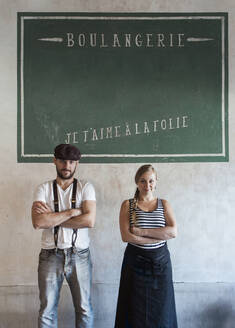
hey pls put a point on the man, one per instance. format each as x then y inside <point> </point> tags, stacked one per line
<point>64,208</point>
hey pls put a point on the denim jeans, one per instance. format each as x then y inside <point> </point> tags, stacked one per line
<point>75,266</point>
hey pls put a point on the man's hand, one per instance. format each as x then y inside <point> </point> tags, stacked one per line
<point>76,211</point>
<point>43,217</point>
<point>83,217</point>
<point>41,208</point>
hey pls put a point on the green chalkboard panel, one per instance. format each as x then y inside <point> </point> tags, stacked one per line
<point>123,87</point>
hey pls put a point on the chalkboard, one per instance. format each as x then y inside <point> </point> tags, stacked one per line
<point>123,87</point>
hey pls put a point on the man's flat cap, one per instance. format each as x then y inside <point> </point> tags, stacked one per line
<point>67,152</point>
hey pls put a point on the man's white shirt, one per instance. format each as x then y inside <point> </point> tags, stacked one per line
<point>44,193</point>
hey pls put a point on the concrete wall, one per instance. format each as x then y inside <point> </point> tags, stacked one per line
<point>202,195</point>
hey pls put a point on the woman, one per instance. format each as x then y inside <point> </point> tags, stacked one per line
<point>146,295</point>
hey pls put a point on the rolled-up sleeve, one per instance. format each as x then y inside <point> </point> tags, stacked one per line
<point>39,194</point>
<point>88,192</point>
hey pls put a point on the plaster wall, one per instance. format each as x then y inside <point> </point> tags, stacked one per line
<point>201,194</point>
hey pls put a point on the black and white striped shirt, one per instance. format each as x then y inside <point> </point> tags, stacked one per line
<point>152,219</point>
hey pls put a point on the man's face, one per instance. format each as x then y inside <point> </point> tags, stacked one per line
<point>65,168</point>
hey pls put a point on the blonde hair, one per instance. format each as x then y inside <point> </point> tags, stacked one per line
<point>141,170</point>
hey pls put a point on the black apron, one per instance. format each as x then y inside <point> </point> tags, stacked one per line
<point>146,295</point>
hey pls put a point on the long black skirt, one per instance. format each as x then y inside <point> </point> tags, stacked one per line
<point>146,295</point>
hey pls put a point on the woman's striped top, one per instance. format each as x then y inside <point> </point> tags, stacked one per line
<point>144,219</point>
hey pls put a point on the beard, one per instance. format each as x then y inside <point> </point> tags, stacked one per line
<point>67,177</point>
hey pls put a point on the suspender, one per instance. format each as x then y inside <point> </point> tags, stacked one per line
<point>73,205</point>
<point>56,206</point>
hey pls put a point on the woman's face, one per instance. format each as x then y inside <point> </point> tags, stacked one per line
<point>147,182</point>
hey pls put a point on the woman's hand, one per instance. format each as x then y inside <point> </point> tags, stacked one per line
<point>159,233</point>
<point>136,231</point>
<point>127,235</point>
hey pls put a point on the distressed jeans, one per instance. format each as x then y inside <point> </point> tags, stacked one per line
<point>75,266</point>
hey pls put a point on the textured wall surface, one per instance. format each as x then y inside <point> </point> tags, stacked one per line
<point>202,195</point>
